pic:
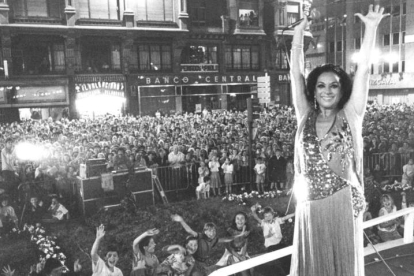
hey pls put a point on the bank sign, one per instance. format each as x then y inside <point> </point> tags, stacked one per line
<point>196,79</point>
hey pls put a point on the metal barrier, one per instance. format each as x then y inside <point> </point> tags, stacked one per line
<point>390,163</point>
<point>268,257</point>
<point>185,176</point>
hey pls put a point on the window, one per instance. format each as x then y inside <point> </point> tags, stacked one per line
<point>280,59</point>
<point>198,13</point>
<point>403,37</point>
<point>38,8</point>
<point>372,69</point>
<point>396,38</point>
<point>292,13</point>
<point>403,66</point>
<point>152,57</point>
<point>386,67</point>
<point>281,16</point>
<point>242,57</point>
<point>154,10</point>
<point>199,54</point>
<point>395,67</point>
<point>38,56</point>
<point>331,47</point>
<point>386,40</point>
<point>380,69</point>
<point>98,9</point>
<point>396,10</point>
<point>97,55</point>
<point>339,46</point>
<point>248,17</point>
<point>404,11</point>
<point>357,43</point>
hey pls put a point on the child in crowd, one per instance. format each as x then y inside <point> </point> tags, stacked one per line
<point>203,189</point>
<point>388,230</point>
<point>236,250</point>
<point>260,169</point>
<point>181,261</point>
<point>57,211</point>
<point>107,266</point>
<point>202,172</point>
<point>290,173</point>
<point>8,218</point>
<point>34,211</point>
<point>271,231</point>
<point>228,170</point>
<point>145,262</point>
<point>206,241</point>
<point>369,231</point>
<point>214,166</point>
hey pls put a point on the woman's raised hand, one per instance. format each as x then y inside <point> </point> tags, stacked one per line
<point>373,17</point>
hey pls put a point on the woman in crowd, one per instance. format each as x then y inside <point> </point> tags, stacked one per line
<point>330,111</point>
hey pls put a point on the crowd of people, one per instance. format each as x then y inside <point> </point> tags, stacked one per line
<point>217,142</point>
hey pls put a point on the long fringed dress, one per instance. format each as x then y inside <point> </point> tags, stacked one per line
<point>328,237</point>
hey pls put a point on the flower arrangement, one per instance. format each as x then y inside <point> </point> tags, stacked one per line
<point>396,186</point>
<point>45,243</point>
<point>241,199</point>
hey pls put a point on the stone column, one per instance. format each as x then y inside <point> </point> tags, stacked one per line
<point>183,15</point>
<point>128,19</point>
<point>70,13</point>
<point>4,13</point>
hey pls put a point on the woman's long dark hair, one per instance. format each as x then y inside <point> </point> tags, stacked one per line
<point>344,79</point>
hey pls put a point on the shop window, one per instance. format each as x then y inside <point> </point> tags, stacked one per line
<point>37,57</point>
<point>154,10</point>
<point>242,57</point>
<point>98,9</point>
<point>93,55</point>
<point>152,57</point>
<point>38,8</point>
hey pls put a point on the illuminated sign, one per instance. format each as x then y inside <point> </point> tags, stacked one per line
<point>197,79</point>
<point>84,90</point>
<point>35,94</point>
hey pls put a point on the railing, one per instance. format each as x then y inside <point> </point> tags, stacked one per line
<point>268,257</point>
<point>390,163</point>
<point>181,178</point>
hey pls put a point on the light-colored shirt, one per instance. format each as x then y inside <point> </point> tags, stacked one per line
<point>260,168</point>
<point>272,227</point>
<point>100,269</point>
<point>214,166</point>
<point>227,168</point>
<point>176,159</point>
<point>7,160</point>
<point>408,170</point>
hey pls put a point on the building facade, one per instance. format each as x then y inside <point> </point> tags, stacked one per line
<point>91,57</point>
<point>337,37</point>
